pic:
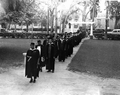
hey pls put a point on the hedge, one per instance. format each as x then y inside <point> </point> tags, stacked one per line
<point>26,35</point>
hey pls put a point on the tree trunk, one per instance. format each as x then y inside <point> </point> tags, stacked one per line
<point>27,27</point>
<point>22,27</point>
<point>60,28</point>
<point>56,20</point>
<point>63,24</point>
<point>116,21</point>
<point>9,24</point>
<point>63,27</point>
<point>83,19</point>
<point>83,15</point>
<point>52,23</point>
<point>48,23</point>
<point>15,28</point>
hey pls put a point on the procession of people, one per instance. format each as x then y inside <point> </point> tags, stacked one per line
<point>44,54</point>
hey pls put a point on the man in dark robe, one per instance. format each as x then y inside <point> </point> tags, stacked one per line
<point>39,46</point>
<point>61,56</point>
<point>50,66</point>
<point>55,41</point>
<point>45,51</point>
<point>66,47</point>
<point>32,63</point>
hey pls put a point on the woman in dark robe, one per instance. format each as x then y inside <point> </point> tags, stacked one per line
<point>32,63</point>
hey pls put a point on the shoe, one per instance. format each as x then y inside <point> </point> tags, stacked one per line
<point>34,81</point>
<point>52,71</point>
<point>31,81</point>
<point>48,71</point>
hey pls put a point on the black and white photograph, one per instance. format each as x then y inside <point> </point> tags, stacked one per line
<point>59,47</point>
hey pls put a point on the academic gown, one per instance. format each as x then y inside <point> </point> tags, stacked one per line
<point>56,48</point>
<point>45,52</point>
<point>51,57</point>
<point>40,48</point>
<point>61,50</point>
<point>31,63</point>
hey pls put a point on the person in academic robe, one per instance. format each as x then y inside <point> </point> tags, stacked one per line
<point>39,46</point>
<point>55,41</point>
<point>61,56</point>
<point>45,51</point>
<point>31,70</point>
<point>50,66</point>
<point>66,47</point>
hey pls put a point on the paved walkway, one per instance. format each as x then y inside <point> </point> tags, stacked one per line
<point>62,82</point>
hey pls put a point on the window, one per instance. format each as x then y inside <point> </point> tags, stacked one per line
<point>76,26</point>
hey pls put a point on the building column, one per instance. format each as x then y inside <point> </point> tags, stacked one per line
<point>91,32</point>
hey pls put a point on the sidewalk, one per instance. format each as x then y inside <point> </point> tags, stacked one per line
<point>62,82</point>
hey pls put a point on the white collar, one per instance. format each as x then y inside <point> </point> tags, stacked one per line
<point>32,49</point>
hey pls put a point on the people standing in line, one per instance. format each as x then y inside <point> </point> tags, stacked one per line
<point>31,70</point>
<point>50,66</point>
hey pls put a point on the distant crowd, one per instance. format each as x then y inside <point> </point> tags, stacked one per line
<point>43,54</point>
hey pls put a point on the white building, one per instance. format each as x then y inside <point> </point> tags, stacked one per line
<point>100,21</point>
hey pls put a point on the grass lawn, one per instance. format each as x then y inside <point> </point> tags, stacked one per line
<point>11,51</point>
<point>98,57</point>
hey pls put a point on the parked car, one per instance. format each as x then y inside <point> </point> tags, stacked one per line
<point>99,33</point>
<point>114,35</point>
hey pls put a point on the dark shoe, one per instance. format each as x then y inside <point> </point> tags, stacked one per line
<point>31,81</point>
<point>52,71</point>
<point>48,71</point>
<point>34,81</point>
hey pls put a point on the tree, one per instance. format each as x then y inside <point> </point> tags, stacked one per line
<point>94,8</point>
<point>12,9</point>
<point>19,11</point>
<point>83,7</point>
<point>114,10</point>
<point>28,11</point>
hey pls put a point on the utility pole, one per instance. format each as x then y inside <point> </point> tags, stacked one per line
<point>106,21</point>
